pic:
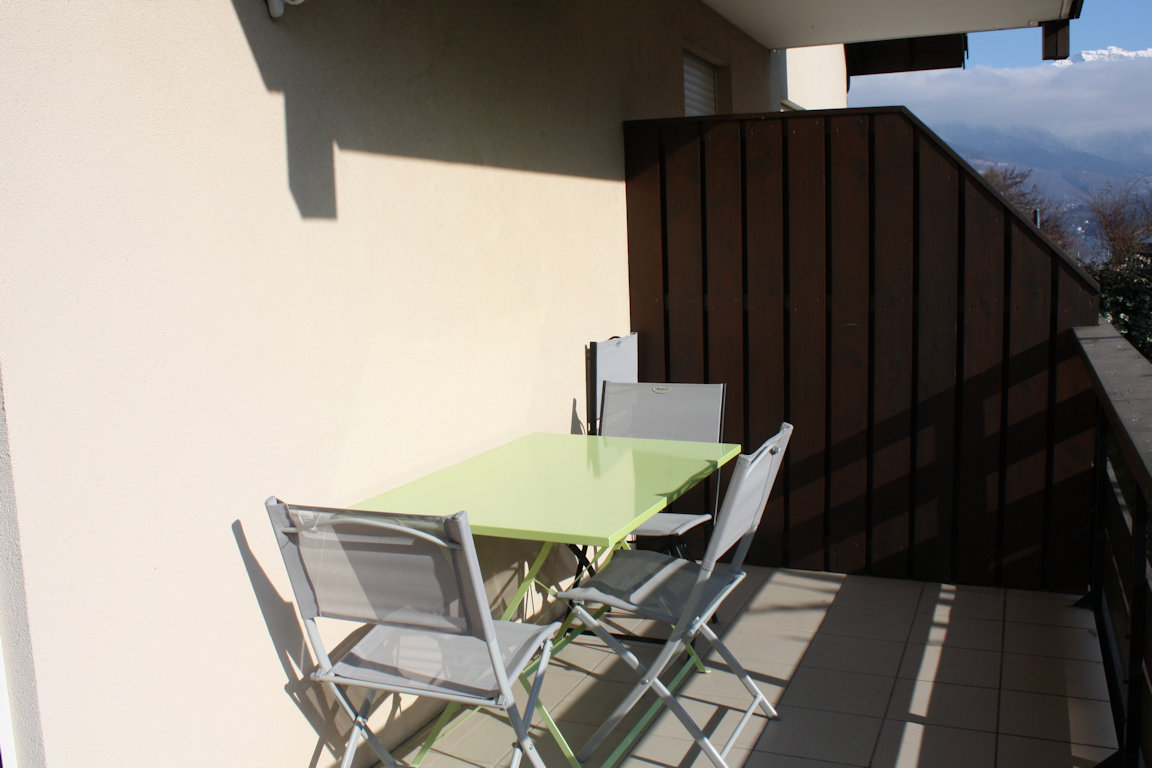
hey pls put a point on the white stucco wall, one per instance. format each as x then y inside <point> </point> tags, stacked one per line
<point>313,258</point>
<point>816,76</point>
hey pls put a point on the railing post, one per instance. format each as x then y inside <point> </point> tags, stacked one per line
<point>1135,662</point>
<point>1099,491</point>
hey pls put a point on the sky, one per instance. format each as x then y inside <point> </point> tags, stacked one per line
<point>1007,85</point>
<point>1123,23</point>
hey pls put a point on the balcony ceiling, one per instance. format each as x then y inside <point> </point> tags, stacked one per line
<point>792,24</point>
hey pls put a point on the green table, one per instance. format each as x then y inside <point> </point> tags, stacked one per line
<point>565,489</point>
<point>558,489</point>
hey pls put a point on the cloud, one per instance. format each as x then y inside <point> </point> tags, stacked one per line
<point>1072,100</point>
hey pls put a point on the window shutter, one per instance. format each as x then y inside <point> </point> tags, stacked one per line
<point>699,86</point>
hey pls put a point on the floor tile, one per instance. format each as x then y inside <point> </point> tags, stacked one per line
<point>1049,640</point>
<point>438,759</point>
<point>717,720</point>
<point>1056,676</point>
<point>858,621</point>
<point>854,654</point>
<point>864,672</point>
<point>803,619</point>
<point>1078,721</point>
<point>963,666</point>
<point>1044,608</point>
<point>720,684</point>
<point>881,594</point>
<point>768,760</point>
<point>1021,752</point>
<point>933,703</point>
<point>839,691</point>
<point>773,647</point>
<point>482,736</point>
<point>593,700</point>
<point>813,581</point>
<point>612,667</point>
<point>957,631</point>
<point>912,745</point>
<point>576,734</point>
<point>946,601</point>
<point>673,756</point>
<point>821,735</point>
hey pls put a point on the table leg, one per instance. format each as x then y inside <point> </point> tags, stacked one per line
<point>529,580</point>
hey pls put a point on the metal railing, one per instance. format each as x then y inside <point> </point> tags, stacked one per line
<point>1121,578</point>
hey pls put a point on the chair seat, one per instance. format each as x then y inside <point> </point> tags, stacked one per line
<point>651,585</point>
<point>670,524</point>
<point>437,662</point>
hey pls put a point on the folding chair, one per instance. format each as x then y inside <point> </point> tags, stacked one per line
<point>653,586</point>
<point>668,412</point>
<point>416,580</point>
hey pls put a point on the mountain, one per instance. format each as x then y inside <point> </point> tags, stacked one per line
<point>1063,170</point>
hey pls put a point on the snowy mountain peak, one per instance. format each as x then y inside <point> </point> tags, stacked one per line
<point>1111,53</point>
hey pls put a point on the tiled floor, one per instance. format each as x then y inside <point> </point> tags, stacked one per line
<point>864,672</point>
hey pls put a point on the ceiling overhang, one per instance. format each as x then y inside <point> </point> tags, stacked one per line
<point>791,24</point>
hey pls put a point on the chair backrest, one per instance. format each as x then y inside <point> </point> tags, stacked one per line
<point>663,411</point>
<point>400,570</point>
<point>616,359</point>
<point>745,499</point>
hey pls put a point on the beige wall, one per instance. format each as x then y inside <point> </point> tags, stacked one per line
<point>313,257</point>
<point>816,76</point>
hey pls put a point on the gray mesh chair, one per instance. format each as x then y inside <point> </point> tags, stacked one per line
<point>692,412</point>
<point>416,581</point>
<point>685,595</point>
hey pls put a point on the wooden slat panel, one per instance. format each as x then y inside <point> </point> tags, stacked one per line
<point>685,278</point>
<point>806,340</point>
<point>1027,412</point>
<point>645,245</point>
<point>978,473</point>
<point>892,345</point>
<point>936,363</point>
<point>767,367</point>
<point>720,250</point>
<point>725,269</point>
<point>723,299</point>
<point>848,329</point>
<point>1066,563</point>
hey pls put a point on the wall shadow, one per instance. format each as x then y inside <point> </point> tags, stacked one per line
<point>460,82</point>
<point>317,705</point>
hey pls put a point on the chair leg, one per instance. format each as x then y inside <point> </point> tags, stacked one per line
<point>701,739</point>
<point>649,676</point>
<point>360,730</point>
<point>353,743</point>
<point>524,743</point>
<point>742,673</point>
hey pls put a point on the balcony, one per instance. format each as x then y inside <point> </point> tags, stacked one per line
<point>865,671</point>
<point>953,568</point>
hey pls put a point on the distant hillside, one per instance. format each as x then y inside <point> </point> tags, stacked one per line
<point>1064,172</point>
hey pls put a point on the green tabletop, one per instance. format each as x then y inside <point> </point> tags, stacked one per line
<point>570,489</point>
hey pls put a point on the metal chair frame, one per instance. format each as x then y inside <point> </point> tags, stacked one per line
<point>363,531</point>
<point>647,573</point>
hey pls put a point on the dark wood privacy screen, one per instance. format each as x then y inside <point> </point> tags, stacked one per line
<point>846,271</point>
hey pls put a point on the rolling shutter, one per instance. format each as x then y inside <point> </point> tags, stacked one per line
<point>699,86</point>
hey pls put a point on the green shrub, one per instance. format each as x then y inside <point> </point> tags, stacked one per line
<point>1126,298</point>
